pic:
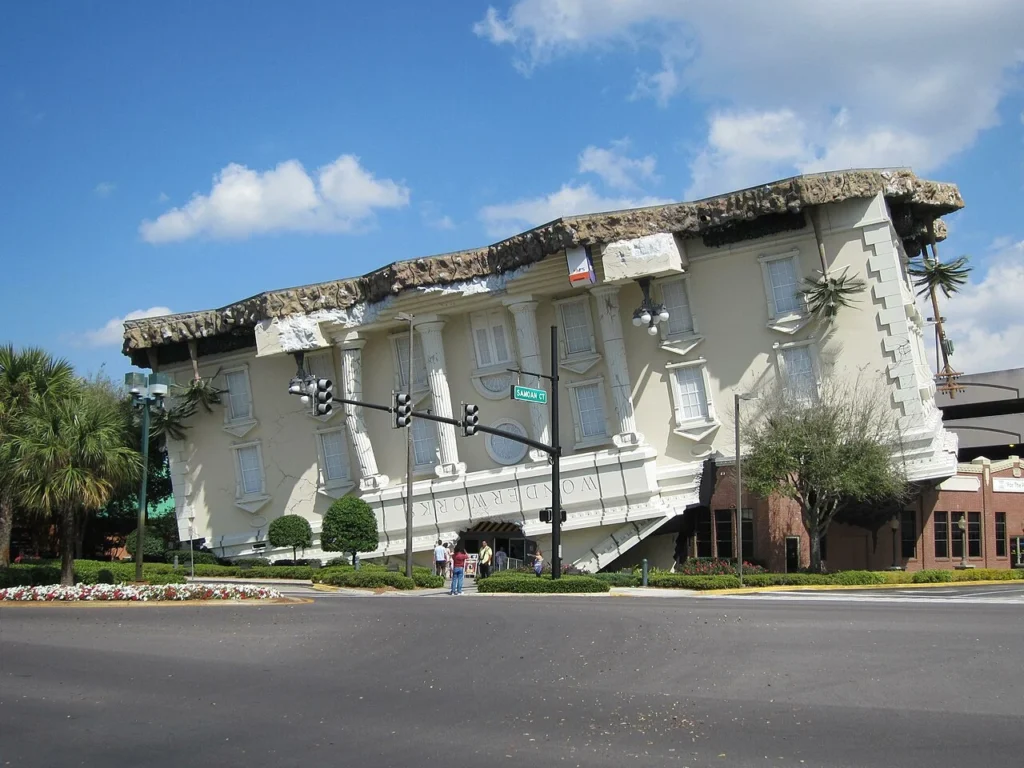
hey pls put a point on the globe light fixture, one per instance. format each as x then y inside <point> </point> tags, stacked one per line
<point>649,313</point>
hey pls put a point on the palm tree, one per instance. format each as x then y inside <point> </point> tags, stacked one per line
<point>24,374</point>
<point>72,455</point>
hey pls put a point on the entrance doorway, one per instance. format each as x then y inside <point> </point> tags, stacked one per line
<point>501,536</point>
<point>792,554</point>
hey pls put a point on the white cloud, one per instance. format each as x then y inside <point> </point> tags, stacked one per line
<point>615,169</point>
<point>984,319</point>
<point>104,188</point>
<point>508,218</point>
<point>243,202</point>
<point>163,198</point>
<point>112,333</point>
<point>872,83</point>
<point>431,215</point>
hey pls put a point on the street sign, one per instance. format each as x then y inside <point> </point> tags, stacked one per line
<point>529,394</point>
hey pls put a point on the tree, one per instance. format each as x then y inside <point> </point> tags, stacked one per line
<point>349,526</point>
<point>290,531</point>
<point>69,457</point>
<point>827,455</point>
<point>25,375</point>
<point>153,545</point>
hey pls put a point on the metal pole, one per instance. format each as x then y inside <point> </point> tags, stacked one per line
<point>895,565</point>
<point>739,496</point>
<point>409,464</point>
<point>140,533</point>
<point>191,555</point>
<point>556,490</point>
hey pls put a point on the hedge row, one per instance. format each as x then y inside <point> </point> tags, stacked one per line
<point>185,557</point>
<point>369,579</point>
<point>619,579</point>
<point>701,583</point>
<point>530,584</point>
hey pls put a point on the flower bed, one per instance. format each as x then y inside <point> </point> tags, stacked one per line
<point>142,593</point>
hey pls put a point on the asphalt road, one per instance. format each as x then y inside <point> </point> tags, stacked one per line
<point>489,681</point>
<point>1008,593</point>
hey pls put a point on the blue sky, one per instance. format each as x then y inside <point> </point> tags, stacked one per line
<point>187,155</point>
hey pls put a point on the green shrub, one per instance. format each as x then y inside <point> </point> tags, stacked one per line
<point>152,543</point>
<point>104,576</point>
<point>340,562</point>
<point>682,581</point>
<point>278,572</point>
<point>425,578</point>
<point>207,571</point>
<point>523,584</point>
<point>787,579</point>
<point>858,578</point>
<point>619,579</point>
<point>932,577</point>
<point>372,579</point>
<point>986,574</point>
<point>714,566</point>
<point>290,531</point>
<point>165,578</point>
<point>18,575</point>
<point>349,526</point>
<point>251,562</point>
<point>206,558</point>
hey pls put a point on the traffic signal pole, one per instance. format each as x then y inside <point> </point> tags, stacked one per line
<point>556,480</point>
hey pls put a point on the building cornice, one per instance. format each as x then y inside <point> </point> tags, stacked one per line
<point>913,202</point>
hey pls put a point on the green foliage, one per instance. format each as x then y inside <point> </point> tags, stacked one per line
<point>204,570</point>
<point>250,561</point>
<point>714,566</point>
<point>680,581</point>
<point>364,579</point>
<point>164,578</point>
<point>825,295</point>
<point>825,452</point>
<point>929,275</point>
<point>987,574</point>
<point>302,572</point>
<point>197,557</point>
<point>619,579</point>
<point>858,578</point>
<point>932,577</point>
<point>349,526</point>
<point>290,531</point>
<point>526,584</point>
<point>152,543</point>
<point>425,579</point>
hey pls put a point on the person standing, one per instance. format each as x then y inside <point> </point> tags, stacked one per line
<point>501,559</point>
<point>458,569</point>
<point>440,559</point>
<point>538,561</point>
<point>486,555</point>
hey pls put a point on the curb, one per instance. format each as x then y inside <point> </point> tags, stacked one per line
<point>847,587</point>
<point>258,582</point>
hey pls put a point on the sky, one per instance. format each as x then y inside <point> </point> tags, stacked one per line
<point>172,157</point>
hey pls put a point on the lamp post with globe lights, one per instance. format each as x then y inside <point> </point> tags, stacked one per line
<point>649,313</point>
<point>146,391</point>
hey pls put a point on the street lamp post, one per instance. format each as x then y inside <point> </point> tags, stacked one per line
<point>406,317</point>
<point>739,486</point>
<point>191,537</point>
<point>146,391</point>
<point>894,524</point>
<point>962,525</point>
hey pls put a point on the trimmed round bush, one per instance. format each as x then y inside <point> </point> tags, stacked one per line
<point>349,526</point>
<point>290,531</point>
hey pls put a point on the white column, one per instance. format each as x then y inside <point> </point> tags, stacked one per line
<point>524,312</point>
<point>610,320</point>
<point>370,478</point>
<point>437,377</point>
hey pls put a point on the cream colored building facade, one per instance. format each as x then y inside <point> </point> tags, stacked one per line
<point>641,414</point>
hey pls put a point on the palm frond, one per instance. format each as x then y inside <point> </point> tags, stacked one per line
<point>949,278</point>
<point>825,295</point>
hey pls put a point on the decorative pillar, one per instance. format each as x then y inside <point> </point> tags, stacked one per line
<point>524,312</point>
<point>615,359</point>
<point>437,377</point>
<point>352,389</point>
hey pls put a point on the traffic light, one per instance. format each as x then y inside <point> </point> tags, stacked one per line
<point>545,515</point>
<point>403,410</point>
<point>470,418</point>
<point>323,395</point>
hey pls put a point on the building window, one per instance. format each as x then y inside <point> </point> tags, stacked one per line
<point>782,284</point>
<point>239,395</point>
<point>424,444</point>
<point>419,365</point>
<point>974,534</point>
<point>941,527</point>
<point>1000,534</point>
<point>908,534</point>
<point>676,299</point>
<point>577,327</point>
<point>503,450</point>
<point>491,339</point>
<point>589,413</point>
<point>723,533</point>
<point>798,372</point>
<point>691,394</point>
<point>748,533</point>
<point>702,532</point>
<point>335,468</point>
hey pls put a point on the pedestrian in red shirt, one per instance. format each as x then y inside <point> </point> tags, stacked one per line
<point>458,569</point>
